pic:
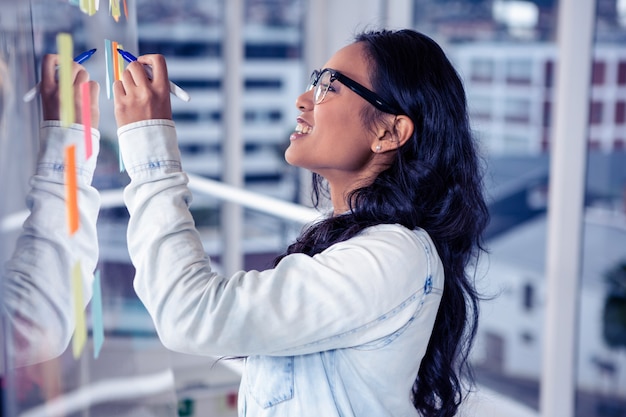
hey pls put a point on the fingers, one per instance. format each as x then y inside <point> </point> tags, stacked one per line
<point>134,75</point>
<point>158,68</point>
<point>49,72</point>
<point>93,105</point>
<point>142,93</point>
<point>79,75</point>
<point>50,90</point>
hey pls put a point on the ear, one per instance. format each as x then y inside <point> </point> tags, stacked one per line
<point>393,137</point>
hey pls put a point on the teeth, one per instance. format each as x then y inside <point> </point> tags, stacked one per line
<point>302,128</point>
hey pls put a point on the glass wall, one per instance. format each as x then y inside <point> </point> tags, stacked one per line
<point>192,38</point>
<point>96,366</point>
<point>123,369</point>
<point>507,54</point>
<point>601,361</point>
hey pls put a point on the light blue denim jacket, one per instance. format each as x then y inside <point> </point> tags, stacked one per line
<point>341,333</point>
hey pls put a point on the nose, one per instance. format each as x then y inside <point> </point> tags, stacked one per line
<point>304,102</point>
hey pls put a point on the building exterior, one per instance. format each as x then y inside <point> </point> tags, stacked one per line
<point>510,92</point>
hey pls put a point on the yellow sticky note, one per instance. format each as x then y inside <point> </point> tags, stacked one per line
<point>65,47</point>
<point>71,189</point>
<point>116,12</point>
<point>88,7</point>
<point>80,331</point>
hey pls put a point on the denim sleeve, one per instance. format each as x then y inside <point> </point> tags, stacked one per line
<point>354,293</point>
<point>38,305</point>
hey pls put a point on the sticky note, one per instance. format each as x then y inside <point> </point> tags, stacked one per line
<point>116,61</point>
<point>97,324</point>
<point>71,191</point>
<point>114,6</point>
<point>108,60</point>
<point>120,60</point>
<point>119,152</point>
<point>80,331</point>
<point>85,95</point>
<point>88,7</point>
<point>65,47</point>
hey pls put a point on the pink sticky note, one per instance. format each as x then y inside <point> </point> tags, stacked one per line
<point>86,116</point>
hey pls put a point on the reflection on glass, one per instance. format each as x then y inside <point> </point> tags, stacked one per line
<point>42,375</point>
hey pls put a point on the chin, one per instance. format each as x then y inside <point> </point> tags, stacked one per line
<point>291,158</point>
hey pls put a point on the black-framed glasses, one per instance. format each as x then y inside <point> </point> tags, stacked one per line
<point>321,80</point>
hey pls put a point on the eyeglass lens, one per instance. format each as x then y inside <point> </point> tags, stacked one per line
<point>320,81</point>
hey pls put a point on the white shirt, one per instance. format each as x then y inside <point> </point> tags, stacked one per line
<point>341,333</point>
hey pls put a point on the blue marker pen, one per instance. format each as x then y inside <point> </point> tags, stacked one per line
<point>174,89</point>
<point>80,58</point>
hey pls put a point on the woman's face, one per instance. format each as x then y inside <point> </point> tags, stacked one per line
<point>330,138</point>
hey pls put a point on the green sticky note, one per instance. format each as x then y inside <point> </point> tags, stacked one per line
<point>80,331</point>
<point>65,48</point>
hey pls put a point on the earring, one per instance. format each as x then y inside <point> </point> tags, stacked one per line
<point>378,148</point>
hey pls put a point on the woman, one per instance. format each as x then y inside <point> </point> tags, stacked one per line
<point>370,312</point>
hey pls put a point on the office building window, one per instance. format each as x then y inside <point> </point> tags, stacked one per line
<point>547,113</point>
<point>620,112</point>
<point>517,110</point>
<point>595,113</point>
<point>519,71</point>
<point>548,73</point>
<point>598,73</point>
<point>621,73</point>
<point>482,70</point>
<point>480,108</point>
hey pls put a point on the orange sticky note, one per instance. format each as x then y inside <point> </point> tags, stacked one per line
<point>80,331</point>
<point>85,96</point>
<point>71,192</point>
<point>116,61</point>
<point>66,94</point>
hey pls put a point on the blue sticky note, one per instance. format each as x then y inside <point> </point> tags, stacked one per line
<point>119,154</point>
<point>108,60</point>
<point>97,324</point>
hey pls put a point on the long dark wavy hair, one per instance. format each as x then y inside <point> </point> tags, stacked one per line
<point>434,183</point>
